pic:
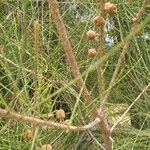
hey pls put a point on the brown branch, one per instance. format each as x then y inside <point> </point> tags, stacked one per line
<point>69,50</point>
<point>101,46</point>
<point>49,124</point>
<point>106,134</point>
<point>70,56</point>
<point>104,123</point>
<point>75,70</point>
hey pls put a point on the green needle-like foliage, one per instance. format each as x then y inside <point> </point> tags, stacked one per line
<point>36,80</point>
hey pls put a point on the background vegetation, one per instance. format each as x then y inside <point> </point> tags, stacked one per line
<point>33,83</point>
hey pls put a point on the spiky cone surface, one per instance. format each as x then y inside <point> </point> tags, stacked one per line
<point>110,8</point>
<point>99,21</point>
<point>91,35</point>
<point>60,114</point>
<point>92,53</point>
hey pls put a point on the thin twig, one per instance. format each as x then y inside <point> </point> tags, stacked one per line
<point>49,124</point>
<point>124,114</point>
<point>95,140</point>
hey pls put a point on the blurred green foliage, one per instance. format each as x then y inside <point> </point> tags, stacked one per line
<point>19,82</point>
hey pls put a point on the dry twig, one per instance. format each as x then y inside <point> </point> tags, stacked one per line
<point>104,123</point>
<point>43,123</point>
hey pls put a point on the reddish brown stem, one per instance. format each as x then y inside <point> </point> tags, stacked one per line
<point>68,49</point>
<point>43,123</point>
<point>104,123</point>
<point>75,71</point>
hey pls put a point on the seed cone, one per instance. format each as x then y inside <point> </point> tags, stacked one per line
<point>91,35</point>
<point>92,53</point>
<point>99,21</point>
<point>60,114</point>
<point>110,8</point>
